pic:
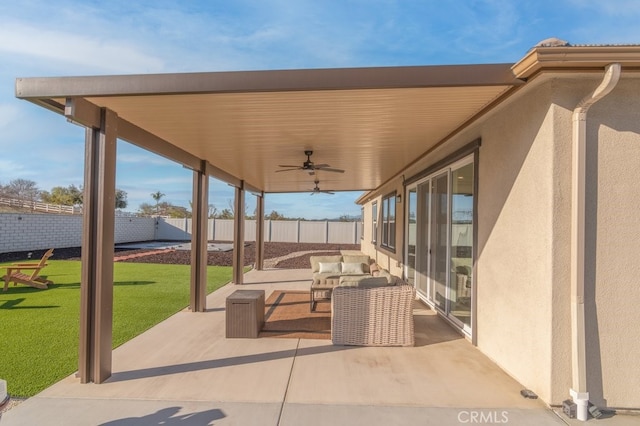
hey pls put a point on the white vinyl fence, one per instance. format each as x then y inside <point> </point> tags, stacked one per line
<point>35,231</point>
<point>295,231</point>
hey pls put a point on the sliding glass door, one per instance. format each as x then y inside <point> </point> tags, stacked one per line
<point>461,244</point>
<point>439,252</point>
<point>438,241</point>
<point>412,235</point>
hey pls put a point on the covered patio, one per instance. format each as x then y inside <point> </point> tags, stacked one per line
<point>241,127</point>
<point>184,371</point>
<point>387,129</point>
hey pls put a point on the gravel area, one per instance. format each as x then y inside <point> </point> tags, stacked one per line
<point>283,253</point>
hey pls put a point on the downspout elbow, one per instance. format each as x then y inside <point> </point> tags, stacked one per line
<point>579,391</point>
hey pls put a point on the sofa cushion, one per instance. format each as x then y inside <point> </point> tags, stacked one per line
<point>325,280</point>
<point>362,281</point>
<point>391,280</point>
<point>352,268</point>
<point>361,258</point>
<point>315,261</point>
<point>329,267</point>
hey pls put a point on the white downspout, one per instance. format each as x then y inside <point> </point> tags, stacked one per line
<point>579,392</point>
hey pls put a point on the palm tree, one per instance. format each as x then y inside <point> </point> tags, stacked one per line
<point>157,196</point>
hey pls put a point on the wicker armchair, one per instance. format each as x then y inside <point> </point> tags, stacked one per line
<point>378,316</point>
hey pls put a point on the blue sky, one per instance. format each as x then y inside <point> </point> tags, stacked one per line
<point>80,37</point>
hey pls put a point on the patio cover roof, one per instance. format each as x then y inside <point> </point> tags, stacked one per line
<point>371,122</point>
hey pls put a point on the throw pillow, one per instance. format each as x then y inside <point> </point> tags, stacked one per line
<point>329,268</point>
<point>352,268</point>
<point>364,259</point>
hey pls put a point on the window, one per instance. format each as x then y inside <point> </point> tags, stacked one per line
<point>374,221</point>
<point>389,221</point>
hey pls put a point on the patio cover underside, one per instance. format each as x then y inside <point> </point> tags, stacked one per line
<point>370,122</point>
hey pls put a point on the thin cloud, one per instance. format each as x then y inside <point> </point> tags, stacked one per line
<point>10,169</point>
<point>8,115</point>
<point>618,8</point>
<point>75,49</point>
<point>145,158</point>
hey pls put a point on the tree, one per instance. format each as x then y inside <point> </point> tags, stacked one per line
<point>23,189</point>
<point>157,196</point>
<point>225,214</point>
<point>147,209</point>
<point>121,199</point>
<point>175,211</point>
<point>212,211</point>
<point>274,215</point>
<point>69,196</point>
<point>232,208</point>
<point>72,196</point>
<point>163,209</point>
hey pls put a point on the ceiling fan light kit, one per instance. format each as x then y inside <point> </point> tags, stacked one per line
<point>317,189</point>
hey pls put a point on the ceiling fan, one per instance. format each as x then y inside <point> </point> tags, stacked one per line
<point>317,189</point>
<point>309,166</point>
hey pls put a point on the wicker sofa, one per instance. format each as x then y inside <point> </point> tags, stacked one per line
<point>369,306</point>
<point>347,270</point>
<point>375,316</point>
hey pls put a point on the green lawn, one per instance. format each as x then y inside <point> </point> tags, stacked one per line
<point>39,328</point>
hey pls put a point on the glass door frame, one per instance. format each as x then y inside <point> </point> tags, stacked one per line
<point>425,220</point>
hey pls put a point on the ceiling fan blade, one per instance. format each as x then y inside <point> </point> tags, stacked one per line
<point>286,165</point>
<point>320,166</point>
<point>329,169</point>
<point>287,170</point>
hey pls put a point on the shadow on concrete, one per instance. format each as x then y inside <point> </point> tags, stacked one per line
<point>169,416</point>
<point>220,363</point>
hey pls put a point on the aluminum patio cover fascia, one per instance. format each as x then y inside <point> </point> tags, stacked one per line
<point>371,122</point>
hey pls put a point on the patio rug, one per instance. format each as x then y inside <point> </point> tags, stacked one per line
<point>287,315</point>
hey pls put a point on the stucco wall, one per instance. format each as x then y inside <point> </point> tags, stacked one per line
<point>540,195</point>
<point>34,231</point>
<point>388,259</point>
<point>613,248</point>
<point>516,251</point>
<point>524,246</point>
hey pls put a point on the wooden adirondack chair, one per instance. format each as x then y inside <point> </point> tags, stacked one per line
<point>15,274</point>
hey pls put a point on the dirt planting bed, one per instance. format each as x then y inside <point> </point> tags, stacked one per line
<point>284,251</point>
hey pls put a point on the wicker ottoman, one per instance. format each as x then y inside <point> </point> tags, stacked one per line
<point>377,316</point>
<point>245,313</point>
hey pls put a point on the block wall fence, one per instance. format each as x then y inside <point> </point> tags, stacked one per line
<point>33,231</point>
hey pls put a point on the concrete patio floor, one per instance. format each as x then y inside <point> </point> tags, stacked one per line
<point>184,371</point>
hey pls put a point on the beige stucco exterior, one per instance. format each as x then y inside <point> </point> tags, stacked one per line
<point>613,247</point>
<point>523,314</point>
